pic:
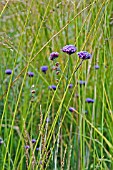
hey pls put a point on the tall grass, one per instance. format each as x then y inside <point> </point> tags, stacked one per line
<point>29,32</point>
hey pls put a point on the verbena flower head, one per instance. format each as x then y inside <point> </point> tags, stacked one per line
<point>27,147</point>
<point>8,71</point>
<point>81,82</point>
<point>52,87</point>
<point>96,66</point>
<point>69,49</point>
<point>37,149</point>
<point>44,69</point>
<point>84,55</point>
<point>54,55</point>
<point>40,162</point>
<point>33,140</point>
<point>89,100</point>
<point>71,109</point>
<point>47,120</point>
<point>30,74</point>
<point>70,86</point>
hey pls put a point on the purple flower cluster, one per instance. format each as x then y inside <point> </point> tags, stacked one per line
<point>8,71</point>
<point>89,100</point>
<point>48,119</point>
<point>44,69</point>
<point>27,147</point>
<point>81,82</point>
<point>71,109</point>
<point>54,55</point>
<point>96,67</point>
<point>84,55</point>
<point>30,74</point>
<point>37,149</point>
<point>33,140</point>
<point>69,49</point>
<point>52,87</point>
<point>70,86</point>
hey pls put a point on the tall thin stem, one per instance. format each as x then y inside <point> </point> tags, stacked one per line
<point>79,65</point>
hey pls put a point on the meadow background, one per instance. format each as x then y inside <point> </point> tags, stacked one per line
<point>29,31</point>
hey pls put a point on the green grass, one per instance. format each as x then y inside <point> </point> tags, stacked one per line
<point>29,32</point>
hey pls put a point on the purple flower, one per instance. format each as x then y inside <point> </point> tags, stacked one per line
<point>44,69</point>
<point>8,71</point>
<point>54,55</point>
<point>89,100</point>
<point>30,74</point>
<point>69,49</point>
<point>70,86</point>
<point>33,140</point>
<point>81,82</point>
<point>52,87</point>
<point>27,147</point>
<point>37,149</point>
<point>47,120</point>
<point>40,162</point>
<point>72,109</point>
<point>33,91</point>
<point>84,55</point>
<point>96,66</point>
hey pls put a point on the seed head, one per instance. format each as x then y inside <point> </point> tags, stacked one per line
<point>33,91</point>
<point>57,72</point>
<point>57,64</point>
<point>57,80</point>
<point>54,68</point>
